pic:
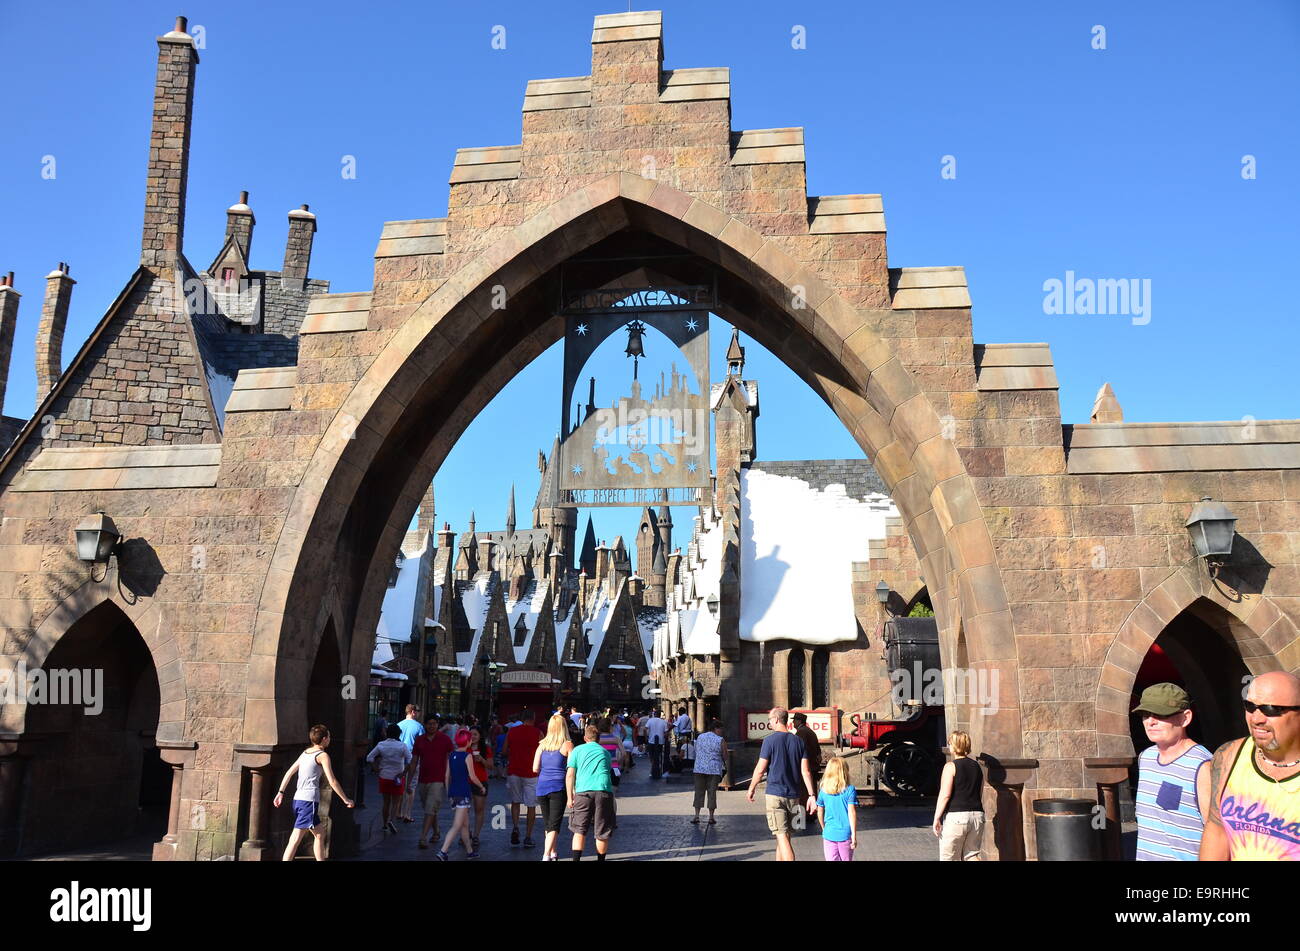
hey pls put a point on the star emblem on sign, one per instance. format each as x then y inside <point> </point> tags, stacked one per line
<point>577,470</point>
<point>581,330</point>
<point>692,324</point>
<point>691,467</point>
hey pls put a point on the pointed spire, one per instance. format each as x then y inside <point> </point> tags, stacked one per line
<point>510,512</point>
<point>1106,408</point>
<point>587,559</point>
<point>735,355</point>
<point>471,521</point>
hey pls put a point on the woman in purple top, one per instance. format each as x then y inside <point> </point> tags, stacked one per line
<point>550,763</point>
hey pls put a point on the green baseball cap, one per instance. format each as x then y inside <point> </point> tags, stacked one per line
<point>1164,700</point>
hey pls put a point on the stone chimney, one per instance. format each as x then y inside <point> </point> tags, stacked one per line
<point>239,225</point>
<point>169,150</point>
<point>485,546</point>
<point>49,335</point>
<point>8,322</point>
<point>424,523</point>
<point>297,249</point>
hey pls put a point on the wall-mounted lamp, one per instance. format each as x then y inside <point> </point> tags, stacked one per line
<point>882,593</point>
<point>1212,527</point>
<point>97,539</point>
<point>712,603</point>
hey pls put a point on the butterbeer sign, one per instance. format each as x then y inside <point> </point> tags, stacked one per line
<point>649,442</point>
<point>825,723</point>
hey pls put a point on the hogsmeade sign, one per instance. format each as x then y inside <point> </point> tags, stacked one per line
<point>650,442</point>
<point>824,722</point>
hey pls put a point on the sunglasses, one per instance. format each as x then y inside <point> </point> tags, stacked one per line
<point>1268,709</point>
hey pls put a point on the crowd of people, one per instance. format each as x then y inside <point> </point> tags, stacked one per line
<point>1237,803</point>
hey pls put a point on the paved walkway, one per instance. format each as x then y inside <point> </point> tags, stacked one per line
<point>654,823</point>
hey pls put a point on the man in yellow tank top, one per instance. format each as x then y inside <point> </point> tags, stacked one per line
<point>1255,812</point>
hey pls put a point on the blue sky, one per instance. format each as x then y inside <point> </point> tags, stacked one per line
<point>1117,163</point>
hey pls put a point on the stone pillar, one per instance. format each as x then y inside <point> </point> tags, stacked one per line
<point>1108,773</point>
<point>8,322</point>
<point>169,150</point>
<point>49,335</point>
<point>297,249</point>
<point>1004,836</point>
<point>259,761</point>
<point>178,756</point>
<point>239,225</point>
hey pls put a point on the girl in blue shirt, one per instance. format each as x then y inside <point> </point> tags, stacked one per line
<point>837,812</point>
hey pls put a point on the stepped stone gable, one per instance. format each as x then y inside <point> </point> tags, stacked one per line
<point>1053,556</point>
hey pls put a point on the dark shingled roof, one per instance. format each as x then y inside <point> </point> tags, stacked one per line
<point>229,353</point>
<point>10,427</point>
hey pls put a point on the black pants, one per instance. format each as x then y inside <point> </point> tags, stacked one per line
<point>656,759</point>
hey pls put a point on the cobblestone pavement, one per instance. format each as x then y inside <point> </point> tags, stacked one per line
<point>654,823</point>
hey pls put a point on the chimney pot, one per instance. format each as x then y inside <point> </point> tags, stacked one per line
<point>243,198</point>
<point>182,24</point>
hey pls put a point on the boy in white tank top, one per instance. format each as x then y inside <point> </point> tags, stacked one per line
<point>306,798</point>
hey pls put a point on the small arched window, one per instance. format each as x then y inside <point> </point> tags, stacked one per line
<point>821,678</point>
<point>795,678</point>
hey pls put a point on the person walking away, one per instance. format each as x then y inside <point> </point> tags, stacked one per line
<point>784,758</point>
<point>639,731</point>
<point>810,742</point>
<point>309,767</point>
<point>391,758</point>
<point>656,728</point>
<point>682,727</point>
<point>430,767</point>
<point>1173,791</point>
<point>498,734</point>
<point>550,763</point>
<point>521,778</point>
<point>380,732</point>
<point>609,741</point>
<point>959,811</point>
<point>1254,810</point>
<point>589,784</point>
<point>481,754</point>
<point>710,763</point>
<point>461,781</point>
<point>411,727</point>
<point>837,812</point>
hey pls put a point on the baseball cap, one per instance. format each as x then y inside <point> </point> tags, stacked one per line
<point>1163,700</point>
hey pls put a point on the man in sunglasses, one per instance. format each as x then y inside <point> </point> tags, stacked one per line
<point>1255,812</point>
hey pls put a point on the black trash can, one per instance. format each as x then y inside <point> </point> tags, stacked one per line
<point>1064,830</point>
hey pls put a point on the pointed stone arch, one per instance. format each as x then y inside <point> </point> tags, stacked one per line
<point>1259,630</point>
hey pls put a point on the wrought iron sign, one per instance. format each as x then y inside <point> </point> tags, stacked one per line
<point>650,444</point>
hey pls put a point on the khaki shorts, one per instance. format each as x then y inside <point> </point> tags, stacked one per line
<point>780,814</point>
<point>523,790</point>
<point>961,837</point>
<point>433,795</point>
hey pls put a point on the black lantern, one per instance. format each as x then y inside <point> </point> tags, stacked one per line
<point>635,347</point>
<point>97,539</point>
<point>1212,527</point>
<point>712,603</point>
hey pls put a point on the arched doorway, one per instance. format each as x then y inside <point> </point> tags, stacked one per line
<point>452,354</point>
<point>1197,651</point>
<point>96,775</point>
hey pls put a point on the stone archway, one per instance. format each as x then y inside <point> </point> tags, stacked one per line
<point>1255,626</point>
<point>455,351</point>
<point>87,768</point>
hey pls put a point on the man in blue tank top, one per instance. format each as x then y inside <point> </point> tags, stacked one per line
<point>1173,791</point>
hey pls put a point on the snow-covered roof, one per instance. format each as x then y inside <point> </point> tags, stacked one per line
<point>397,615</point>
<point>529,607</point>
<point>798,546</point>
<point>475,600</point>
